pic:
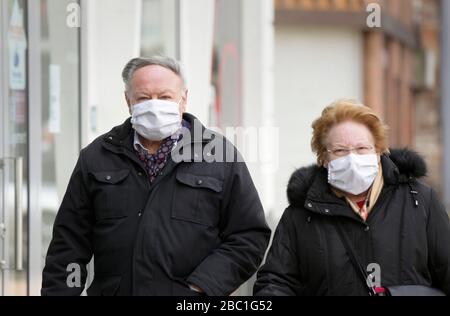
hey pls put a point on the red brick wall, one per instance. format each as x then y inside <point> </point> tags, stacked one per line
<point>392,82</point>
<point>427,132</point>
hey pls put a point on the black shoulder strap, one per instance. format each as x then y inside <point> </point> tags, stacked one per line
<point>364,276</point>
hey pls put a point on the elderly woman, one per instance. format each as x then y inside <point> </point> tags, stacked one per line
<point>361,210</point>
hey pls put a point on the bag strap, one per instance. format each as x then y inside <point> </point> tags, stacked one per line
<point>362,273</point>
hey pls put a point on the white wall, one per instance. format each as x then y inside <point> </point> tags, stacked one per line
<point>258,101</point>
<point>313,67</point>
<point>196,36</point>
<point>111,37</point>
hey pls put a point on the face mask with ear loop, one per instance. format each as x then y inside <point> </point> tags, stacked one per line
<point>156,120</point>
<point>353,174</point>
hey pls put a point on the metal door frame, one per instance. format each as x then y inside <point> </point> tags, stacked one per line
<point>32,132</point>
<point>3,105</point>
<point>34,268</point>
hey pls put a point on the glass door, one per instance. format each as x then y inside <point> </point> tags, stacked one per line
<point>13,148</point>
<point>39,118</point>
<point>59,121</point>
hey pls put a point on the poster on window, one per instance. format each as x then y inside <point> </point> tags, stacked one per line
<point>54,119</point>
<point>17,44</point>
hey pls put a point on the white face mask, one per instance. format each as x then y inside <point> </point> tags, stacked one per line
<point>353,173</point>
<point>156,120</point>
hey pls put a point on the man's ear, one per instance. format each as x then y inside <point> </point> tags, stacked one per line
<point>185,101</point>
<point>128,102</point>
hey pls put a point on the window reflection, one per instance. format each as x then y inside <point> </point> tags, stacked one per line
<point>159,27</point>
<point>60,109</point>
<point>227,69</point>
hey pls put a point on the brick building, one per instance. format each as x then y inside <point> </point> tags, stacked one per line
<point>398,63</point>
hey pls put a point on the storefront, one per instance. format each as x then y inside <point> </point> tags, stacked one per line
<point>39,134</point>
<point>60,88</point>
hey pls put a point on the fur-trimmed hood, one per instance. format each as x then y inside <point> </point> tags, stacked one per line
<point>399,166</point>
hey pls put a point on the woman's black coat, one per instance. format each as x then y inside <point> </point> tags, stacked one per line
<point>407,234</point>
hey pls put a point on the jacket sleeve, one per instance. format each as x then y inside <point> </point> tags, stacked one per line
<point>244,238</point>
<point>438,230</point>
<point>70,249</point>
<point>280,275</point>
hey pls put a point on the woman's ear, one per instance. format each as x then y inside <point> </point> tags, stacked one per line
<point>323,162</point>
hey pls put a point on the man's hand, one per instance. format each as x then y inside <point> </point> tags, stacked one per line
<point>195,288</point>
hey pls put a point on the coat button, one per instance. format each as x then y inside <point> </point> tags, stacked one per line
<point>309,205</point>
<point>108,178</point>
<point>367,229</point>
<point>140,174</point>
<point>199,182</point>
<point>327,211</point>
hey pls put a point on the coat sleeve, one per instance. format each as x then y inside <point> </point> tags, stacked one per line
<point>438,230</point>
<point>70,249</point>
<point>280,275</point>
<point>244,234</point>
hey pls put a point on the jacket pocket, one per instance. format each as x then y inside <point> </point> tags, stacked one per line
<point>110,194</point>
<point>197,199</point>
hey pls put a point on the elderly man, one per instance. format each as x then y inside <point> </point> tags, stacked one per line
<point>157,225</point>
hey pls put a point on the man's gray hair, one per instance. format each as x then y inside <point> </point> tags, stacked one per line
<point>133,65</point>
